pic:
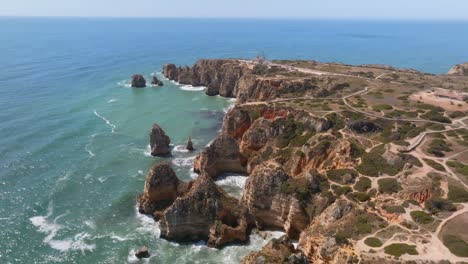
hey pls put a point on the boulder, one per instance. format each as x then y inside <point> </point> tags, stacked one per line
<point>142,253</point>
<point>459,69</point>
<point>156,82</point>
<point>219,157</point>
<point>159,141</point>
<point>138,81</point>
<point>170,71</point>
<point>162,187</point>
<point>189,145</point>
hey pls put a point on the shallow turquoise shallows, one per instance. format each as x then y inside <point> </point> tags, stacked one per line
<point>74,137</point>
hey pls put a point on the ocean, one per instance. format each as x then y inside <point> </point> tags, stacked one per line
<point>74,136</point>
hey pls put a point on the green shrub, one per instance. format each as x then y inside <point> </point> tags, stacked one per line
<point>341,238</point>
<point>343,176</point>
<point>438,146</point>
<point>382,107</point>
<point>421,217</point>
<point>373,242</point>
<point>457,193</point>
<point>260,69</point>
<point>388,185</point>
<point>456,114</point>
<point>363,184</point>
<point>435,165</point>
<point>456,245</point>
<point>436,205</point>
<point>459,167</point>
<point>339,190</point>
<point>436,116</point>
<point>398,249</point>
<point>360,196</point>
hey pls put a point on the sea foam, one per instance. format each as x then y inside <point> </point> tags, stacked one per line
<point>106,120</point>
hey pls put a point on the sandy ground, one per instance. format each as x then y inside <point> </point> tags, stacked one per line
<point>446,103</point>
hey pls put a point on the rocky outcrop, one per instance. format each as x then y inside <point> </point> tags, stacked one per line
<point>205,212</point>
<point>277,201</point>
<point>220,156</point>
<point>279,250</point>
<point>325,240</point>
<point>159,141</point>
<point>156,82</point>
<point>162,187</point>
<point>142,253</point>
<point>459,69</point>
<point>138,81</point>
<point>189,146</point>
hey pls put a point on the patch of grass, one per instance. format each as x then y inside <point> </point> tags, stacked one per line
<point>421,217</point>
<point>457,193</point>
<point>459,167</point>
<point>435,165</point>
<point>456,245</point>
<point>363,184</point>
<point>398,249</point>
<point>382,107</point>
<point>373,242</point>
<point>359,196</point>
<point>456,114</point>
<point>340,190</point>
<point>388,185</point>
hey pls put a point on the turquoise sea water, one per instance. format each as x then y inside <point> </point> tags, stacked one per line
<point>74,136</point>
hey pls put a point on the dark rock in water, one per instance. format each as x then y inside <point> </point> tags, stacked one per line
<point>138,81</point>
<point>156,82</point>
<point>142,253</point>
<point>162,187</point>
<point>190,145</point>
<point>363,126</point>
<point>159,141</point>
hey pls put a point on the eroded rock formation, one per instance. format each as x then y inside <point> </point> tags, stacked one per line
<point>459,69</point>
<point>159,141</point>
<point>138,81</point>
<point>156,82</point>
<point>279,250</point>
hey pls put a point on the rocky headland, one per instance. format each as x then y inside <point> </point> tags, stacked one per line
<point>320,144</point>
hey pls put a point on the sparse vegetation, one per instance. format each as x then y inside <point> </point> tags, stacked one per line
<point>459,167</point>
<point>457,193</point>
<point>398,249</point>
<point>388,185</point>
<point>394,209</point>
<point>373,242</point>
<point>436,205</point>
<point>363,184</point>
<point>342,176</point>
<point>436,116</point>
<point>421,217</point>
<point>435,165</point>
<point>438,146</point>
<point>382,107</point>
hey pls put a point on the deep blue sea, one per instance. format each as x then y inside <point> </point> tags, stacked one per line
<point>74,136</point>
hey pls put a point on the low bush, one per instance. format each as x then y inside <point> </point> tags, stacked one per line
<point>363,184</point>
<point>459,167</point>
<point>438,146</point>
<point>435,165</point>
<point>457,193</point>
<point>382,107</point>
<point>421,217</point>
<point>343,176</point>
<point>456,245</point>
<point>388,185</point>
<point>436,116</point>
<point>436,205</point>
<point>394,209</point>
<point>373,242</point>
<point>398,249</point>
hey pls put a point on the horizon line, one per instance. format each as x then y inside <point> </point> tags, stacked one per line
<point>245,18</point>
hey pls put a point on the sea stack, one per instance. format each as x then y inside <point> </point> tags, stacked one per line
<point>142,253</point>
<point>138,81</point>
<point>459,69</point>
<point>159,141</point>
<point>190,145</point>
<point>156,82</point>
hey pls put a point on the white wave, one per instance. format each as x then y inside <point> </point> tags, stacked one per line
<point>147,151</point>
<point>235,180</point>
<point>147,224</point>
<point>88,176</point>
<point>232,103</point>
<point>119,238</point>
<point>106,120</point>
<point>125,84</point>
<point>183,162</point>
<point>89,151</point>
<point>192,88</point>
<point>180,148</point>
<point>76,242</point>
<point>140,172</point>
<point>112,100</point>
<point>102,179</point>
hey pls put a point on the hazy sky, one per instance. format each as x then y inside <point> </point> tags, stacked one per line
<point>345,9</point>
